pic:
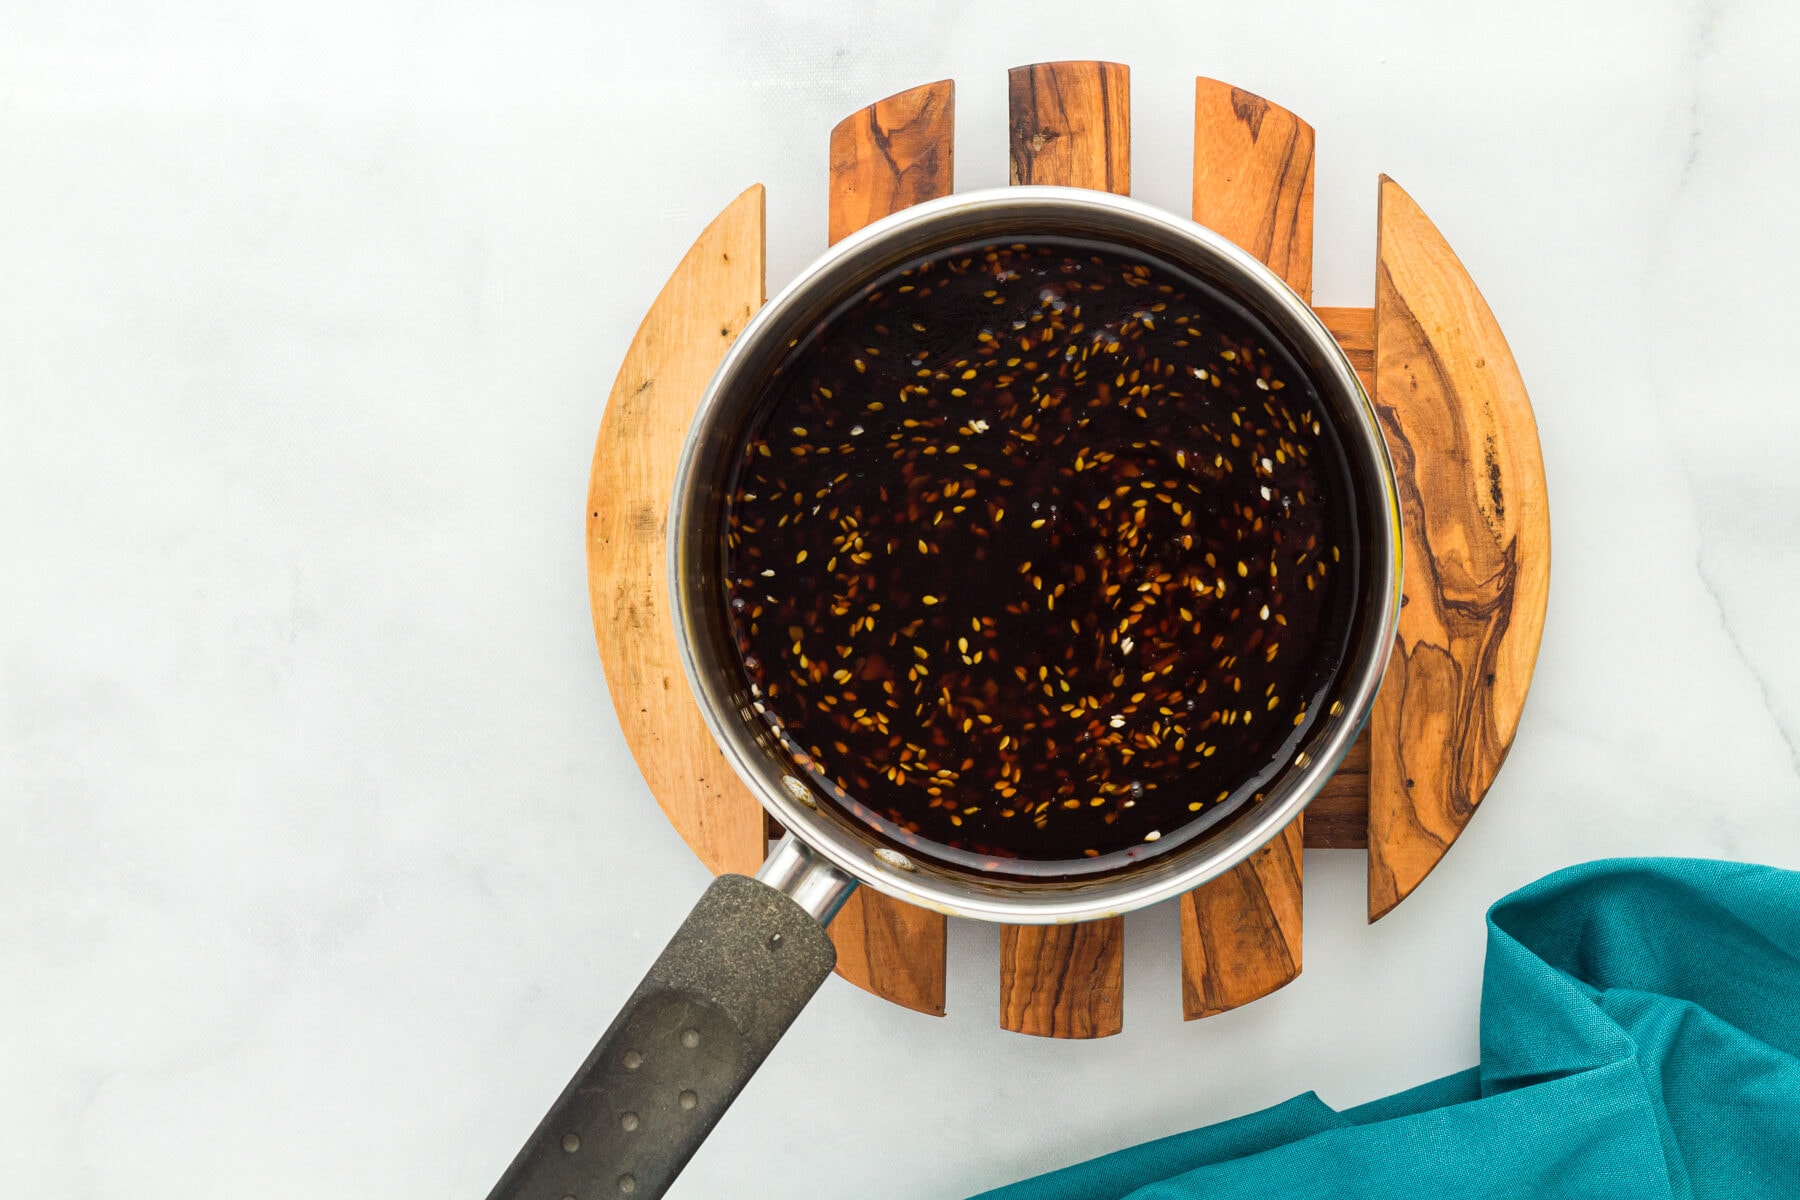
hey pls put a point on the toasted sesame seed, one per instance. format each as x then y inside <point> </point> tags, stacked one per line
<point>917,714</point>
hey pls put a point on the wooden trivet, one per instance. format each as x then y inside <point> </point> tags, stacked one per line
<point>1476,539</point>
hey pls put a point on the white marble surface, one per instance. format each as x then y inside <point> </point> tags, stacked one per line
<point>322,861</point>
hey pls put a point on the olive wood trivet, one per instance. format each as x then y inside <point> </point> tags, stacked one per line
<point>1475,535</point>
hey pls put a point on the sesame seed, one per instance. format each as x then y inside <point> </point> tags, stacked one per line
<point>1143,480</point>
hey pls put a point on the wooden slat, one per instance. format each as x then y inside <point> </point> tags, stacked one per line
<point>1354,329</point>
<point>718,285</point>
<point>1253,178</point>
<point>1338,817</point>
<point>892,154</point>
<point>1071,125</point>
<point>1063,980</point>
<point>1253,182</point>
<point>1476,539</point>
<point>1240,933</point>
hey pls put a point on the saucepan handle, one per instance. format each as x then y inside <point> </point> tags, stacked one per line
<point>730,982</point>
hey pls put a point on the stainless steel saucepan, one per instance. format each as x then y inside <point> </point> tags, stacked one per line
<point>754,951</point>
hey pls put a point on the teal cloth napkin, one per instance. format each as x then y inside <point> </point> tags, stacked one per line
<point>1640,1038</point>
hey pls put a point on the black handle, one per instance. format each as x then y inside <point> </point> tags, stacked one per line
<point>730,982</point>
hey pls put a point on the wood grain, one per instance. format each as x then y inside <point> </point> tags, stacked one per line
<point>1071,126</point>
<point>1476,540</point>
<point>1253,178</point>
<point>1253,182</point>
<point>1338,817</point>
<point>892,154</point>
<point>1240,933</point>
<point>1354,329</point>
<point>1063,981</point>
<point>718,285</point>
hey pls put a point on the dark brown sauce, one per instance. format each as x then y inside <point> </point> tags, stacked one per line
<point>1040,558</point>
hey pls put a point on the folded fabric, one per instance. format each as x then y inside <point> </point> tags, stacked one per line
<point>1640,1039</point>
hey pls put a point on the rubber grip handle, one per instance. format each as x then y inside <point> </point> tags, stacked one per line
<point>730,982</point>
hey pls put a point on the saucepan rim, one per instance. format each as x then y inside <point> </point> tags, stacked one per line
<point>693,557</point>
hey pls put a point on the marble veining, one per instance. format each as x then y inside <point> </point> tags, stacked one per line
<point>321,859</point>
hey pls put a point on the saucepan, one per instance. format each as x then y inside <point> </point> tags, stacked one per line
<point>753,951</point>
